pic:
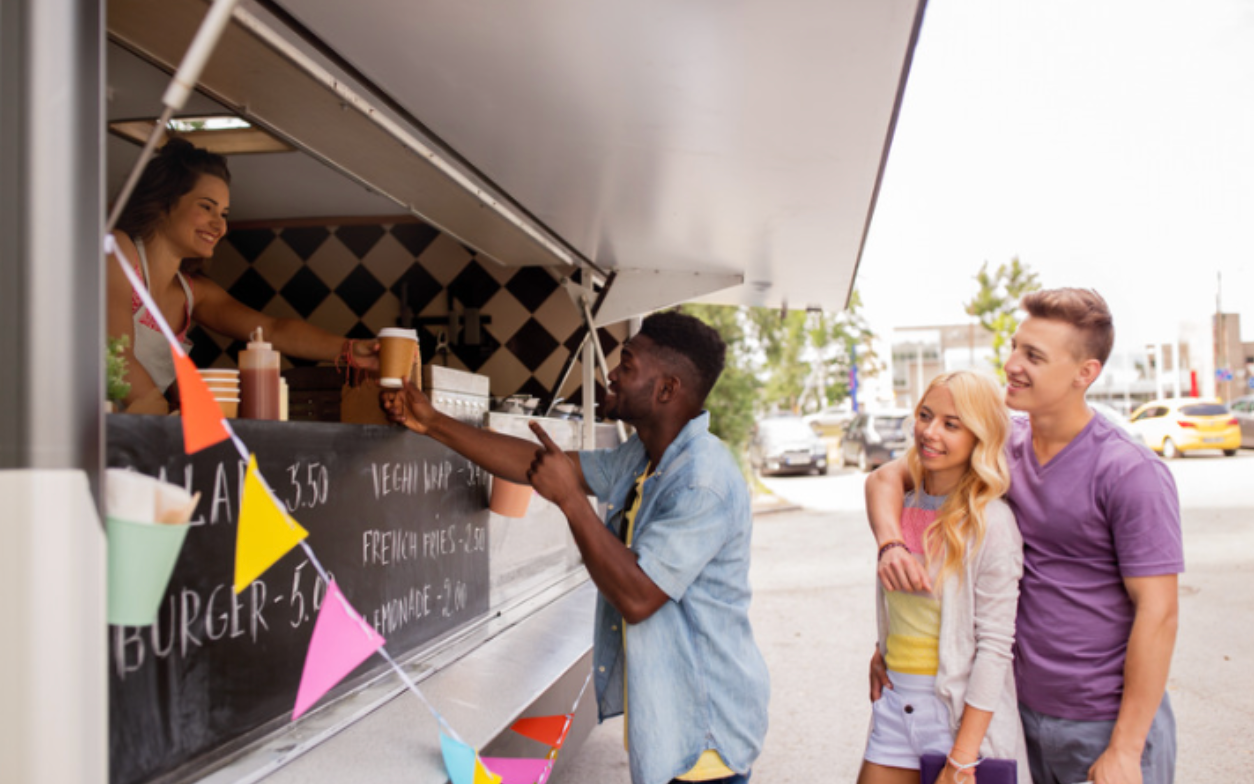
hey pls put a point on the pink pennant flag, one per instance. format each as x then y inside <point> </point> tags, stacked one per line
<point>341,641</point>
<point>514,770</point>
<point>549,730</point>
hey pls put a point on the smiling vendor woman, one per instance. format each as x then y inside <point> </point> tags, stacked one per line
<point>172,223</point>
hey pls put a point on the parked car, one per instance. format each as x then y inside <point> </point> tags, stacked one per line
<point>872,439</point>
<point>830,422</point>
<point>1174,426</point>
<point>1243,410</point>
<point>786,445</point>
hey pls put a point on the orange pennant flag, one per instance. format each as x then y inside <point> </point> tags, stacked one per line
<point>203,425</point>
<point>265,532</point>
<point>549,730</point>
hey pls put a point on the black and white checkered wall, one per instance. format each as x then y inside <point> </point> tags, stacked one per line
<point>353,279</point>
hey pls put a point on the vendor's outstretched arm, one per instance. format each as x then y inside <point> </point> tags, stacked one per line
<point>885,496</point>
<point>501,455</point>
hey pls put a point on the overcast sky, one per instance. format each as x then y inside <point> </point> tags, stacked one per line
<point>1108,144</point>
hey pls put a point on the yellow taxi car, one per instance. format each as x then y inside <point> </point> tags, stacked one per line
<point>1173,426</point>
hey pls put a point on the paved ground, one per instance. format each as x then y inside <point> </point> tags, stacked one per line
<point>813,616</point>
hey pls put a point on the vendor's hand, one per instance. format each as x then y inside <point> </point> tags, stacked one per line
<point>1116,766</point>
<point>553,473</point>
<point>901,571</point>
<point>366,355</point>
<point>879,676</point>
<point>408,406</point>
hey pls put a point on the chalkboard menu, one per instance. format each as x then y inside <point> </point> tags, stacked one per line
<point>400,522</point>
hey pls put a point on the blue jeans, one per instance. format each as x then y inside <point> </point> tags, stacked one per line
<point>1061,751</point>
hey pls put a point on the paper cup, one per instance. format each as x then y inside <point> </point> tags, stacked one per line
<point>221,375</point>
<point>141,560</point>
<point>397,348</point>
<point>228,405</point>
<point>509,499</point>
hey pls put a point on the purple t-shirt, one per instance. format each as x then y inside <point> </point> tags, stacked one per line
<point>1102,509</point>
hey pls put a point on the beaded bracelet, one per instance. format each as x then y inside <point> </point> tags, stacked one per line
<point>962,769</point>
<point>888,546</point>
<point>346,354</point>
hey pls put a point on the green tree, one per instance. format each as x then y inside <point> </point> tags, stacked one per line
<point>996,304</point>
<point>789,362</point>
<point>840,340</point>
<point>782,341</point>
<point>806,355</point>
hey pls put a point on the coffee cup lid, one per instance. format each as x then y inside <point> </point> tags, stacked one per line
<point>397,332</point>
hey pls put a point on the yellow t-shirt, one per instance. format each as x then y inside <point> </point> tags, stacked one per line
<point>710,765</point>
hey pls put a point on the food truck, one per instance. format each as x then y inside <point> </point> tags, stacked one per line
<point>517,182</point>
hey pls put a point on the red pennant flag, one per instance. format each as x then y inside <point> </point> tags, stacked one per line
<point>549,730</point>
<point>203,425</point>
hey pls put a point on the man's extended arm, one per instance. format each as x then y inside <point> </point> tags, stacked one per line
<point>885,495</point>
<point>501,455</point>
<point>613,567</point>
<point>1150,645</point>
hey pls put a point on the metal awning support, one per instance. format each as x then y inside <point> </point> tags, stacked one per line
<point>176,94</point>
<point>600,355</point>
<point>310,102</point>
<point>575,292</point>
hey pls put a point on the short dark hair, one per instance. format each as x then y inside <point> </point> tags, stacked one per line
<point>1083,309</point>
<point>688,338</point>
<point>168,177</point>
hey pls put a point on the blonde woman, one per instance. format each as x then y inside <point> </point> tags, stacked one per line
<point>951,685</point>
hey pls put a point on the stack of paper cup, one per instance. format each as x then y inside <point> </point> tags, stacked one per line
<point>224,384</point>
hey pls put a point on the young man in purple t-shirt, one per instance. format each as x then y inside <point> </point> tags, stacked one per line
<point>1100,519</point>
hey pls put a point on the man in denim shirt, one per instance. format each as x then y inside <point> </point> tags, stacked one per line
<point>674,650</point>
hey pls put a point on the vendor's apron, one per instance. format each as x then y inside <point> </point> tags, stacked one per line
<point>151,348</point>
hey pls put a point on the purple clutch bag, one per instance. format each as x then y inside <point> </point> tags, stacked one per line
<point>990,771</point>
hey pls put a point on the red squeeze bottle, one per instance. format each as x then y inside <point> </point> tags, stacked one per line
<point>259,379</point>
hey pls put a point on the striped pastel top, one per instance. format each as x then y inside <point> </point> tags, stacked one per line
<point>914,618</point>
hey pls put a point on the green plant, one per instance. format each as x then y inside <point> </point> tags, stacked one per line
<point>116,387</point>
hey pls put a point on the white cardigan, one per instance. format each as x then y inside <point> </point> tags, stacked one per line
<point>977,637</point>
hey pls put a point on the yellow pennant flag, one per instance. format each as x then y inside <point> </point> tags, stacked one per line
<point>483,775</point>
<point>265,533</point>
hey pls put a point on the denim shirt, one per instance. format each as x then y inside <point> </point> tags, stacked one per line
<point>696,677</point>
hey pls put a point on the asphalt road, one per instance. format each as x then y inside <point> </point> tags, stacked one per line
<point>814,619</point>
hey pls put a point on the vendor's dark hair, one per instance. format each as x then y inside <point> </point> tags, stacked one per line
<point>170,175</point>
<point>691,339</point>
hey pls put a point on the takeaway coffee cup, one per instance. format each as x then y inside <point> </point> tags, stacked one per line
<point>509,499</point>
<point>397,348</point>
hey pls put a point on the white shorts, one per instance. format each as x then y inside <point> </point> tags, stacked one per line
<point>908,721</point>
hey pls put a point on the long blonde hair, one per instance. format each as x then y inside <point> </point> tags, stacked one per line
<point>961,520</point>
